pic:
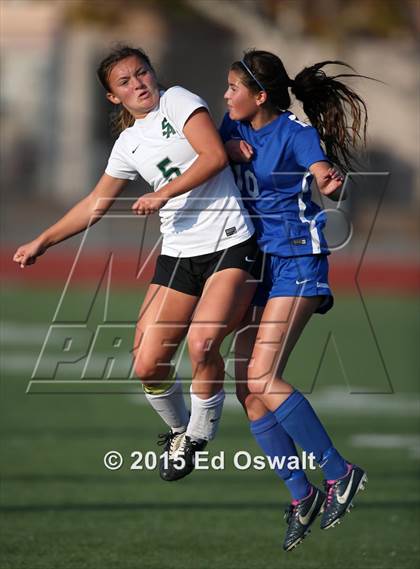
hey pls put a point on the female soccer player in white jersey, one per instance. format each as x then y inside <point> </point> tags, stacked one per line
<point>201,284</point>
<point>276,158</point>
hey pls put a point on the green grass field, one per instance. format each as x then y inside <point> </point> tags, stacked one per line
<point>61,509</point>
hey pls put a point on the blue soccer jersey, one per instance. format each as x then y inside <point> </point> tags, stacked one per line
<point>276,184</point>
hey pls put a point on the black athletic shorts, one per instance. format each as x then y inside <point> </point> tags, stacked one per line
<point>189,274</point>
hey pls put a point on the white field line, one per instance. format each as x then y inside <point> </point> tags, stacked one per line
<point>335,400</point>
<point>409,442</point>
<point>332,400</point>
<point>13,333</point>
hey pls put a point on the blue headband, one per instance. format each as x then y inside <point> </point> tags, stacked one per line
<point>252,75</point>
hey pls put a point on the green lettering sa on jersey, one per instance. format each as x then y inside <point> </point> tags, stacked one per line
<point>167,128</point>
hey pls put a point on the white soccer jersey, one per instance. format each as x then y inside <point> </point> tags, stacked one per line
<point>209,217</point>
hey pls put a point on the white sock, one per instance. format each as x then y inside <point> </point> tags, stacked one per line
<point>171,407</point>
<point>205,416</point>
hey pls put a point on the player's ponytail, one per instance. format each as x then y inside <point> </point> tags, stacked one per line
<point>337,112</point>
<point>120,120</point>
<point>334,109</point>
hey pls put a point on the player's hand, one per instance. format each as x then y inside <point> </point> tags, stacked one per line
<point>329,182</point>
<point>28,253</point>
<point>239,151</point>
<point>149,203</point>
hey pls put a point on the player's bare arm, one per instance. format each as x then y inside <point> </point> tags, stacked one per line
<point>85,213</point>
<point>205,140</point>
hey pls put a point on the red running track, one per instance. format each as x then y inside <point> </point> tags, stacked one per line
<point>55,268</point>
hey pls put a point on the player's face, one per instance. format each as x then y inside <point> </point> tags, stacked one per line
<point>241,102</point>
<point>133,84</point>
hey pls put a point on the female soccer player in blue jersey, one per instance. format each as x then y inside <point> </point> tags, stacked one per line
<point>277,156</point>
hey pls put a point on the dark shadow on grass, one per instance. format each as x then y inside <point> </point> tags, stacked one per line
<point>133,477</point>
<point>232,506</point>
<point>137,433</point>
<point>207,477</point>
<point>79,433</point>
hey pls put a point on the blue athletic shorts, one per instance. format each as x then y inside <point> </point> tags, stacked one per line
<point>306,275</point>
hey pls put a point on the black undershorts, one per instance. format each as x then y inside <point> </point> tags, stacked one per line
<point>189,274</point>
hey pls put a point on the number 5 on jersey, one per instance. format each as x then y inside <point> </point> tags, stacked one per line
<point>168,172</point>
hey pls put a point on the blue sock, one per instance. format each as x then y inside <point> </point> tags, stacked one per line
<point>275,442</point>
<point>300,421</point>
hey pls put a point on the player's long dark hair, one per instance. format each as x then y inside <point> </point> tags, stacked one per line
<point>337,112</point>
<point>121,119</point>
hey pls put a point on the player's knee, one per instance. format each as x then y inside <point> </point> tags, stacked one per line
<point>146,370</point>
<point>253,411</point>
<point>253,407</point>
<point>200,347</point>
